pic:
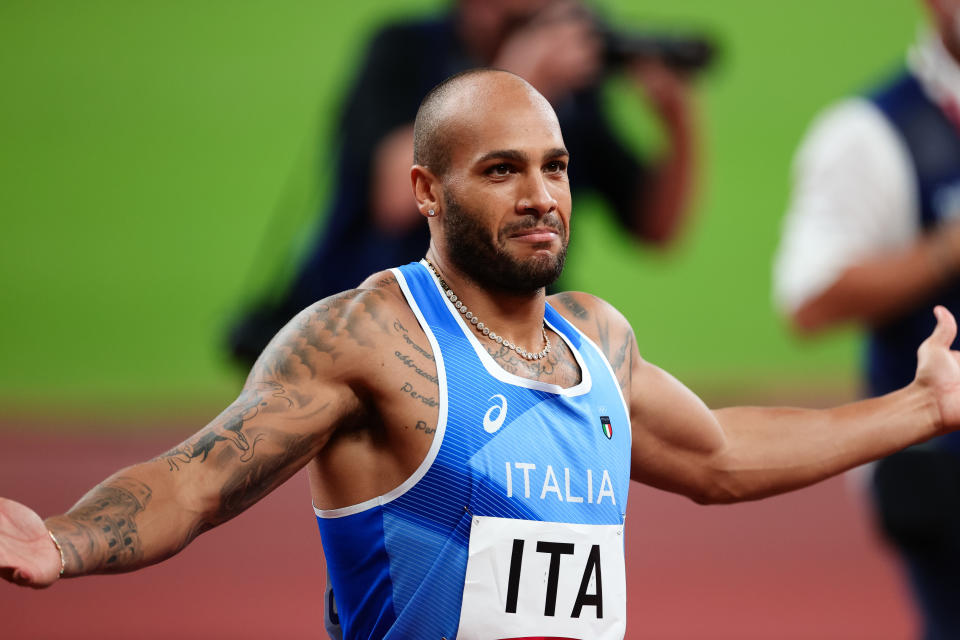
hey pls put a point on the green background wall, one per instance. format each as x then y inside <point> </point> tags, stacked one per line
<point>159,159</point>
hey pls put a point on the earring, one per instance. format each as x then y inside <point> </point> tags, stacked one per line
<point>431,213</point>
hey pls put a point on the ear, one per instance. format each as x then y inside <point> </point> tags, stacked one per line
<point>426,189</point>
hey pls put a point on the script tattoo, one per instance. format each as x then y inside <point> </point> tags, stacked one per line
<point>427,400</point>
<point>422,426</point>
<point>386,281</point>
<point>407,360</point>
<point>406,337</point>
<point>570,302</point>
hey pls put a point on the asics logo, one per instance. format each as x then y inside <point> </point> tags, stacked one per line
<point>491,422</point>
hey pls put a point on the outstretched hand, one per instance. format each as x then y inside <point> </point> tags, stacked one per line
<point>938,369</point>
<point>28,556</point>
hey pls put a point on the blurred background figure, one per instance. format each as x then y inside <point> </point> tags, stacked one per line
<point>872,237</point>
<point>561,47</point>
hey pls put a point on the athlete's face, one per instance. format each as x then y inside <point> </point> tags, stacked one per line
<point>506,211</point>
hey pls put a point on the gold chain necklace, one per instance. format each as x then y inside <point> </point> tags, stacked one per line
<point>481,328</point>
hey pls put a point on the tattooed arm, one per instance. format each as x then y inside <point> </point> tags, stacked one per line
<point>744,453</point>
<point>303,387</point>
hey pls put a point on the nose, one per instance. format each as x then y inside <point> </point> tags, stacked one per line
<point>536,197</point>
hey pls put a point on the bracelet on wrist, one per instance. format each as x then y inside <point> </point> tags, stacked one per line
<point>63,561</point>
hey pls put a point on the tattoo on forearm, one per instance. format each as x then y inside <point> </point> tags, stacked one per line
<point>100,533</point>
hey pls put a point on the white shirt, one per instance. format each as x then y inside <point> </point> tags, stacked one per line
<point>855,191</point>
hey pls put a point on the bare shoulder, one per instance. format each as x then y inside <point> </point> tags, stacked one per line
<point>603,324</point>
<point>328,338</point>
<point>384,281</point>
<point>594,316</point>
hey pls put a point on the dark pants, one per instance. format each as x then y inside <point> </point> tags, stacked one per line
<point>917,494</point>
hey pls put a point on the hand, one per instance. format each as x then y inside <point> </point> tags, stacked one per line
<point>28,556</point>
<point>667,90</point>
<point>558,51</point>
<point>938,369</point>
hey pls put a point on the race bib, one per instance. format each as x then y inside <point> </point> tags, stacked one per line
<point>528,579</point>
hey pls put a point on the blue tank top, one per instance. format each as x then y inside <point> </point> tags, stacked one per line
<point>526,482</point>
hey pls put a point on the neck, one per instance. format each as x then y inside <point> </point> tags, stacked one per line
<point>518,317</point>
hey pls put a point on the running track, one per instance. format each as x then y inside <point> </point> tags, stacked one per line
<point>805,566</point>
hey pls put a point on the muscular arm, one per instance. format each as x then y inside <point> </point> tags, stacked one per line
<point>150,511</point>
<point>301,390</point>
<point>745,453</point>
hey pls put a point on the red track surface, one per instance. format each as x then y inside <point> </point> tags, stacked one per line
<point>803,566</point>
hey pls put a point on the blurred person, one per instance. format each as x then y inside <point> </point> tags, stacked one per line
<point>872,237</point>
<point>469,465</point>
<point>372,222</point>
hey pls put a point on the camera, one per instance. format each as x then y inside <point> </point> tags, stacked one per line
<point>685,53</point>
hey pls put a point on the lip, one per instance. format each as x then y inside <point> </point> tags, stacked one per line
<point>536,235</point>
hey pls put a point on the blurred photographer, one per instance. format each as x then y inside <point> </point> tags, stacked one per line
<point>561,48</point>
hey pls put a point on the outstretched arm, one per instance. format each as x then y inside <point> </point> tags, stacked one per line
<point>745,453</point>
<point>290,405</point>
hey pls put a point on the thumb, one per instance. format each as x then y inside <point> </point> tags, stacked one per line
<point>946,329</point>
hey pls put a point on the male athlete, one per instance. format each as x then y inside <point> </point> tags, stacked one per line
<point>470,443</point>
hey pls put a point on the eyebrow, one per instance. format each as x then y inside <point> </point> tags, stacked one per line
<point>513,154</point>
<point>556,153</point>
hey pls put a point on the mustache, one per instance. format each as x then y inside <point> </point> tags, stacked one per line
<point>551,221</point>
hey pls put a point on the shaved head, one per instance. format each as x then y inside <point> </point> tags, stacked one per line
<point>491,174</point>
<point>453,101</point>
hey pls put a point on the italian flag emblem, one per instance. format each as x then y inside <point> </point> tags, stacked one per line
<point>606,426</point>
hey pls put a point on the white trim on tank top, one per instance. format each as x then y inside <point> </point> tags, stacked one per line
<point>421,470</point>
<point>616,381</point>
<point>504,376</point>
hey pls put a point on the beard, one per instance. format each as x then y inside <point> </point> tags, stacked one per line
<point>488,263</point>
